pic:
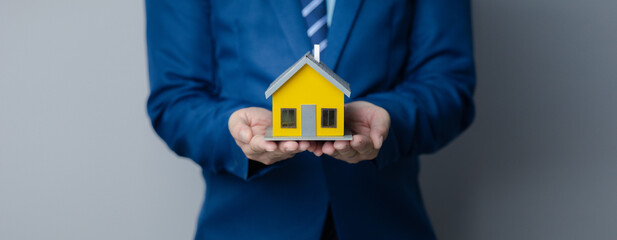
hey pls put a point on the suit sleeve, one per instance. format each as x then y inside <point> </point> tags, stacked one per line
<point>433,102</point>
<point>184,104</point>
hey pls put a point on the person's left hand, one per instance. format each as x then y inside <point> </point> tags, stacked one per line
<point>369,125</point>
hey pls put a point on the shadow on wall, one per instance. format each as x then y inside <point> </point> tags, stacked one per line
<point>539,160</point>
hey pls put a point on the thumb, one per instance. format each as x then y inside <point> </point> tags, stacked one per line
<point>245,134</point>
<point>239,127</point>
<point>380,125</point>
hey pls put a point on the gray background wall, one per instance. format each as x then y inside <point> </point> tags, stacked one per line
<point>540,161</point>
<point>78,159</point>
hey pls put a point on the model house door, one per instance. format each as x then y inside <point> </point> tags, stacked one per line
<point>309,122</point>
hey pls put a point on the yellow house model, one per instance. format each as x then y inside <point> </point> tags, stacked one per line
<point>308,103</point>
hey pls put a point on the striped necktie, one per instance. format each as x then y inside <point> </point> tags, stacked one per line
<point>314,13</point>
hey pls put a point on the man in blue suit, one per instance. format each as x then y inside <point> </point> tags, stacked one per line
<point>411,70</point>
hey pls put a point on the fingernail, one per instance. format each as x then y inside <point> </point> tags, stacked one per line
<point>380,142</point>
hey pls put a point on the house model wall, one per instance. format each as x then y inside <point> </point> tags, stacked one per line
<point>308,102</point>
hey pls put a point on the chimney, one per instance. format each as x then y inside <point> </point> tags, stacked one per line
<point>316,52</point>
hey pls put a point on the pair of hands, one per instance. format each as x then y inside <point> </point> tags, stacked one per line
<point>368,122</point>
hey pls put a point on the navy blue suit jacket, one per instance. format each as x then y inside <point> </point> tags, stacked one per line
<point>208,58</point>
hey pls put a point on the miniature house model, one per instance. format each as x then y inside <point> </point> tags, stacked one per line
<point>308,102</point>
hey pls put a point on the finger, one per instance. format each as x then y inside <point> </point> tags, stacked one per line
<point>254,147</point>
<point>269,146</point>
<point>318,149</point>
<point>344,149</point>
<point>350,156</point>
<point>380,125</point>
<point>273,156</point>
<point>341,145</point>
<point>288,146</point>
<point>252,151</point>
<point>328,148</point>
<point>279,155</point>
<point>312,146</point>
<point>262,144</point>
<point>259,145</point>
<point>362,144</point>
<point>303,146</point>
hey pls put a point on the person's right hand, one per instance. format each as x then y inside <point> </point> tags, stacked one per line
<point>248,128</point>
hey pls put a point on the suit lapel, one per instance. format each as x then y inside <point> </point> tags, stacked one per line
<point>345,13</point>
<point>288,13</point>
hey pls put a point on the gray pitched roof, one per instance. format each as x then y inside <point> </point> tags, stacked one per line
<point>321,68</point>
